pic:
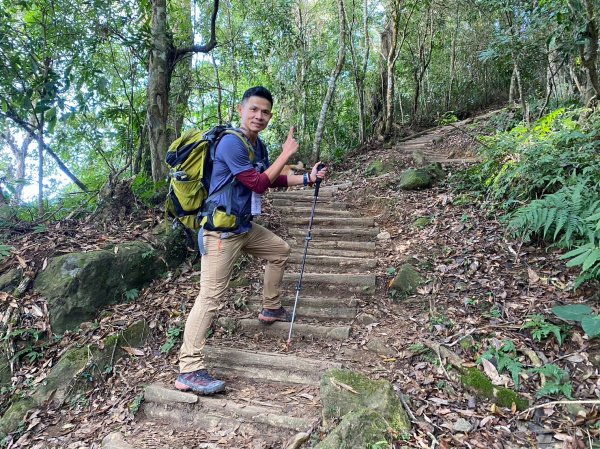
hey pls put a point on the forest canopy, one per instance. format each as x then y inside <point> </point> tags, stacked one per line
<point>94,92</point>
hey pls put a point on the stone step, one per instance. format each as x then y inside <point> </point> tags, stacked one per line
<point>330,203</point>
<point>273,367</point>
<point>331,284</point>
<point>327,245</point>
<point>325,309</point>
<point>357,223</point>
<point>189,410</point>
<point>306,194</point>
<point>314,250</point>
<point>340,234</point>
<point>324,302</point>
<point>320,211</point>
<point>281,329</point>
<point>349,264</point>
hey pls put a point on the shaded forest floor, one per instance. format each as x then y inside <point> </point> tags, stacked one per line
<point>482,287</point>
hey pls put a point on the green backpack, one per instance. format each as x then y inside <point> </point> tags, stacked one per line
<point>190,160</point>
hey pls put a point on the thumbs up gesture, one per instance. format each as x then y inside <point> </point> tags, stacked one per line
<point>290,146</point>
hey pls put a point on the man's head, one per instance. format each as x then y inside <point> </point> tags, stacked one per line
<point>258,91</point>
<point>255,109</point>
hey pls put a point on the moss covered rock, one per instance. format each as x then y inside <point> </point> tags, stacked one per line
<point>360,429</point>
<point>10,279</point>
<point>477,382</point>
<point>421,222</point>
<point>78,285</point>
<point>407,279</point>
<point>72,373</point>
<point>413,179</point>
<point>378,167</point>
<point>343,391</point>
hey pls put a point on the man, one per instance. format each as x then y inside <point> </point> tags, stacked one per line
<point>254,176</point>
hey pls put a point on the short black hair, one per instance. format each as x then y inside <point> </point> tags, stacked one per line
<point>258,91</point>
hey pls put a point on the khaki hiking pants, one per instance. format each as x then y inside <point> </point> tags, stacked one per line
<point>217,265</point>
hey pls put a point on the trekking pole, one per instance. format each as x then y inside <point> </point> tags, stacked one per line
<point>308,239</point>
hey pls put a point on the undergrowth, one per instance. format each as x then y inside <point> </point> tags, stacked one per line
<point>545,177</point>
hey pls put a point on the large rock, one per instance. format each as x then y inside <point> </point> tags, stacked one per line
<point>72,372</point>
<point>78,285</point>
<point>413,179</point>
<point>361,429</point>
<point>344,391</point>
<point>407,279</point>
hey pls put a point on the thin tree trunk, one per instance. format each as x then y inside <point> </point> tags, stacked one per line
<point>40,142</point>
<point>219,89</point>
<point>589,53</point>
<point>20,154</point>
<point>452,60</point>
<point>331,84</point>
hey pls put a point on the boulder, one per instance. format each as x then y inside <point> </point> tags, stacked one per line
<point>72,373</point>
<point>78,285</point>
<point>407,279</point>
<point>344,391</point>
<point>361,429</point>
<point>378,167</point>
<point>413,179</point>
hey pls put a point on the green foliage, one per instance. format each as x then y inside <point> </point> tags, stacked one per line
<point>173,337</point>
<point>5,251</point>
<point>547,177</point>
<point>557,381</point>
<point>131,295</point>
<point>590,322</point>
<point>541,329</point>
<point>134,406</point>
<point>505,358</point>
<point>447,118</point>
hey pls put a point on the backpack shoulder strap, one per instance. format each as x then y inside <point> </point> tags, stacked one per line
<point>244,140</point>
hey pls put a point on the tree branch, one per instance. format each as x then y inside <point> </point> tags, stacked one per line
<point>27,127</point>
<point>212,43</point>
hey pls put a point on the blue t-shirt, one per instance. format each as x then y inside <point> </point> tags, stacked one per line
<point>232,158</point>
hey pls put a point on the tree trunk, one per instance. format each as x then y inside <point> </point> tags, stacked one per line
<point>40,142</point>
<point>452,61</point>
<point>20,155</point>
<point>331,84</point>
<point>219,89</point>
<point>589,53</point>
<point>159,77</point>
<point>163,58</point>
<point>423,63</point>
<point>359,71</point>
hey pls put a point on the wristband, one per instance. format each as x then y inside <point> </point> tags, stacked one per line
<point>305,179</point>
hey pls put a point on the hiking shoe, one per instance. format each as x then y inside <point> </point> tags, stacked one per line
<point>269,316</point>
<point>200,382</point>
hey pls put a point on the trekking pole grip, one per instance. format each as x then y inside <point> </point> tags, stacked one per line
<point>318,183</point>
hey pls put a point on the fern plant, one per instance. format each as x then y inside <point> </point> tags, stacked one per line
<point>563,217</point>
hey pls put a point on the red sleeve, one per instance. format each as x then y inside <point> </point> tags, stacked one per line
<point>255,181</point>
<point>281,181</point>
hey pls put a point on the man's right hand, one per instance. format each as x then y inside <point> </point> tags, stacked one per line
<point>290,146</point>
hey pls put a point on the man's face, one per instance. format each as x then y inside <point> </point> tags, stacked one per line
<point>255,114</point>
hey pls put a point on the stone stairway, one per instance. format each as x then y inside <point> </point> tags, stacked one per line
<point>272,393</point>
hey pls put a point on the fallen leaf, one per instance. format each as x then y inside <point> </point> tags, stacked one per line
<point>116,250</point>
<point>339,384</point>
<point>492,373</point>
<point>533,276</point>
<point>21,261</point>
<point>44,264</point>
<point>132,351</point>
